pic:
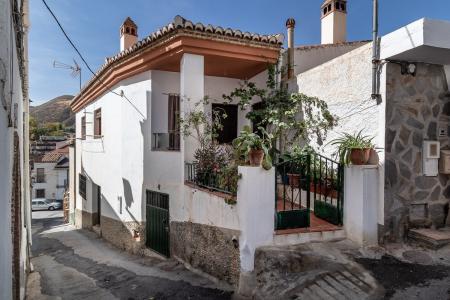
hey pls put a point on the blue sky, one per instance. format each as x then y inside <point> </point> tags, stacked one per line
<point>94,27</point>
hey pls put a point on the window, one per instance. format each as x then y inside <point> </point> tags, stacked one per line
<point>98,123</point>
<point>82,185</point>
<point>40,193</point>
<point>229,124</point>
<point>40,175</point>
<point>174,124</point>
<point>83,128</point>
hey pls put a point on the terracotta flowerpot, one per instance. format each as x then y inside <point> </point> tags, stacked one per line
<point>294,180</point>
<point>359,156</point>
<point>256,157</point>
<point>373,158</point>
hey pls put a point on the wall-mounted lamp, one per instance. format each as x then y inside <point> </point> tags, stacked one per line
<point>409,69</point>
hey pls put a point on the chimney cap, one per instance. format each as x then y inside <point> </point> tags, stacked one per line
<point>290,23</point>
<point>128,27</point>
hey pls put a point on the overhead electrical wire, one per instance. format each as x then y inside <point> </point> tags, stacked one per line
<point>122,94</point>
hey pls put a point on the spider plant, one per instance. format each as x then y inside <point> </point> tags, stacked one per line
<point>348,143</point>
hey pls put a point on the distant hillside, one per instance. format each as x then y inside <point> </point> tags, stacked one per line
<point>55,110</point>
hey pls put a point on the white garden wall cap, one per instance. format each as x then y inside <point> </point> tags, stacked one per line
<point>425,40</point>
<point>363,166</point>
<point>183,27</point>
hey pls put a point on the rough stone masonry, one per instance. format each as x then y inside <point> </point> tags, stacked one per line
<point>416,108</point>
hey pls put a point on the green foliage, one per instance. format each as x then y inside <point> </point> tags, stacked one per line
<point>53,129</point>
<point>201,125</point>
<point>290,117</point>
<point>346,142</point>
<point>247,141</point>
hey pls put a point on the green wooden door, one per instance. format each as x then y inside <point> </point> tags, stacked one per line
<point>157,227</point>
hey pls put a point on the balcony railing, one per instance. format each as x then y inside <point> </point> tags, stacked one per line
<point>166,141</point>
<point>40,179</point>
<point>206,180</point>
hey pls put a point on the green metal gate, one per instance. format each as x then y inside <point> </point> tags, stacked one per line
<point>157,227</point>
<point>308,184</point>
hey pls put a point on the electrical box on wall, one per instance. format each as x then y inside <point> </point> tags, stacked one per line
<point>430,157</point>
<point>444,162</point>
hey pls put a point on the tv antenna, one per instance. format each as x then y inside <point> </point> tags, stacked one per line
<point>76,69</point>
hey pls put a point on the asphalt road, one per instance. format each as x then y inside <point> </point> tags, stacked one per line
<point>76,264</point>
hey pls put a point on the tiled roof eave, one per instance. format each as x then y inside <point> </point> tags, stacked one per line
<point>128,54</point>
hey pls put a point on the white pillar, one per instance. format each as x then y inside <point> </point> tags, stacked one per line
<point>256,211</point>
<point>361,204</point>
<point>192,90</point>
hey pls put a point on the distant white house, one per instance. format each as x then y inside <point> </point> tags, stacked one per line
<point>50,174</point>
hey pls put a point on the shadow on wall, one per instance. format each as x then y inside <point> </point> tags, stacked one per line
<point>128,194</point>
<point>146,136</point>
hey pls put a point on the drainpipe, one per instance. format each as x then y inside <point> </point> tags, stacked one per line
<point>290,25</point>
<point>375,59</point>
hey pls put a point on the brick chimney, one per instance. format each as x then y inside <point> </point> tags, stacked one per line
<point>334,21</point>
<point>128,34</point>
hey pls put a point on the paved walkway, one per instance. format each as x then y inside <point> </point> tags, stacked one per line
<point>76,264</point>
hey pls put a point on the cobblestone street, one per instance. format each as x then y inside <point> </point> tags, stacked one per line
<point>76,264</point>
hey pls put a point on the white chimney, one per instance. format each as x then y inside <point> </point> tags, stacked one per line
<point>334,21</point>
<point>128,34</point>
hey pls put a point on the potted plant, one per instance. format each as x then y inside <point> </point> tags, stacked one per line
<point>254,148</point>
<point>353,148</point>
<point>297,160</point>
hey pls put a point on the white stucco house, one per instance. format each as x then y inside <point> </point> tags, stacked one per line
<point>405,111</point>
<point>15,210</point>
<point>50,174</point>
<point>130,155</point>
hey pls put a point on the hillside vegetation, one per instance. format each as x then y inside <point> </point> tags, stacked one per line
<point>56,110</point>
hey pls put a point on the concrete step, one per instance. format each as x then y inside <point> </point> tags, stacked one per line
<point>312,271</point>
<point>294,238</point>
<point>430,238</point>
<point>338,285</point>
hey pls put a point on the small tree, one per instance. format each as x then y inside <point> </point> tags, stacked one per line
<point>289,117</point>
<point>201,125</point>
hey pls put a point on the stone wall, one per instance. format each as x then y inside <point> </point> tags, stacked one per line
<point>416,107</point>
<point>83,219</point>
<point>121,233</point>
<point>208,248</point>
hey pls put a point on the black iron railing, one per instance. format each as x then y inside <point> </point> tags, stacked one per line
<point>310,183</point>
<point>208,180</point>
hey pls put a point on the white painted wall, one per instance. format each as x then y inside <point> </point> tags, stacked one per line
<point>306,58</point>
<point>361,204</point>
<point>345,84</point>
<point>72,182</point>
<point>116,161</point>
<point>256,211</point>
<point>206,208</point>
<point>11,96</point>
